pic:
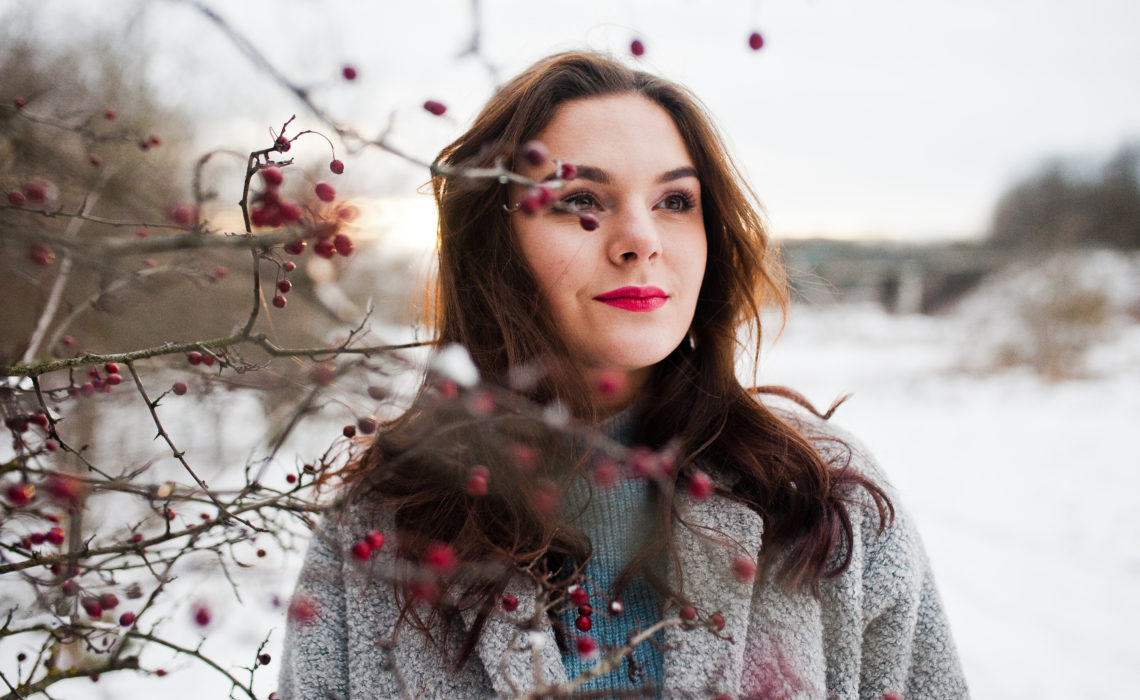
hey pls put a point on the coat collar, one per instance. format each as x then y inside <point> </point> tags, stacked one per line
<point>710,534</point>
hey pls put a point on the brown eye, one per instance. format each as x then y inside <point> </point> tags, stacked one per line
<point>677,202</point>
<point>581,201</point>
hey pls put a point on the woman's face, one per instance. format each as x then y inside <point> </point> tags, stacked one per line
<point>622,295</point>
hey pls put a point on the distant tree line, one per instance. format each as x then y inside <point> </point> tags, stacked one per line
<point>1059,208</point>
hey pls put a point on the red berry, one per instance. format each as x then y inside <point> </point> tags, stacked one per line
<point>440,558</point>
<point>606,473</point>
<point>264,659</point>
<point>366,426</point>
<point>337,167</point>
<point>91,605</point>
<point>16,198</point>
<point>477,485</point>
<point>160,672</point>
<point>583,624</point>
<point>510,603</point>
<point>69,587</point>
<point>361,550</point>
<point>282,144</point>
<point>50,445</point>
<point>56,536</point>
<point>109,114</point>
<point>744,569</point>
<point>289,213</point>
<point>586,610</point>
<point>535,153</point>
<point>36,191</point>
<point>700,486</point>
<point>611,382</point>
<point>111,367</point>
<point>279,301</point>
<point>201,615</point>
<point>687,612</point>
<point>295,248</point>
<point>348,72</point>
<point>261,553</point>
<point>289,266</point>
<point>755,41</point>
<point>436,108</point>
<point>136,538</point>
<point>375,539</point>
<point>324,248</point>
<point>94,160</point>
<point>717,621</point>
<point>349,431</point>
<point>377,392</point>
<point>114,379</point>
<point>153,141</point>
<point>272,176</point>
<point>323,373</point>
<point>127,619</point>
<point>41,254</point>
<point>284,286</point>
<point>19,102</point>
<point>88,389</point>
<point>179,388</point>
<point>578,595</point>
<point>37,538</point>
<point>182,215</point>
<point>291,478</point>
<point>586,646</point>
<point>588,221</point>
<point>568,171</point>
<point>64,489</point>
<point>194,357</point>
<point>302,610</point>
<point>343,244</point>
<point>325,192</point>
<point>109,601</point>
<point>531,203</point>
<point>637,48</point>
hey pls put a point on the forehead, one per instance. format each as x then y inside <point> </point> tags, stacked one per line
<point>615,131</point>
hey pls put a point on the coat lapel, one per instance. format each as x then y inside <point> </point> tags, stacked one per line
<point>508,652</point>
<point>710,535</point>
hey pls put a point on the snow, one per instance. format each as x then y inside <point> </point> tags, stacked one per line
<point>1022,489</point>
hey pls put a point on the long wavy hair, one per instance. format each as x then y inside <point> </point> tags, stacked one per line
<point>488,301</point>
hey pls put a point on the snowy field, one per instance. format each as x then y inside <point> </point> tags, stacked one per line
<point>1022,490</point>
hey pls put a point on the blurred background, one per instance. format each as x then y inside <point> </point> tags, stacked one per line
<point>956,189</point>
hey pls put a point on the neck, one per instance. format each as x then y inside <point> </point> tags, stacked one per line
<point>615,390</point>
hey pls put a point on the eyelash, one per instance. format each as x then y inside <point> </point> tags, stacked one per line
<point>573,201</point>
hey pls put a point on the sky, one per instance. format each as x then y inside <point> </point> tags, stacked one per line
<point>872,118</point>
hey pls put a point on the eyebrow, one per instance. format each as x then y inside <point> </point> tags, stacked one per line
<point>589,172</point>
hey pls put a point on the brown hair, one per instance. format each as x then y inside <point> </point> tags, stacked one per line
<point>488,301</point>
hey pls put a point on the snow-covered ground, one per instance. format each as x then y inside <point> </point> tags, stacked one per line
<point>1021,488</point>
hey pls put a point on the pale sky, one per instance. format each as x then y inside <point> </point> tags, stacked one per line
<point>883,118</point>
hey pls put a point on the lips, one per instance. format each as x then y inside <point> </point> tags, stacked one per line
<point>634,298</point>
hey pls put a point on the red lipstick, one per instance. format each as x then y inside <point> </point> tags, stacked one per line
<point>634,298</point>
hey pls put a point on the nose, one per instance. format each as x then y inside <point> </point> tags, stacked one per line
<point>632,238</point>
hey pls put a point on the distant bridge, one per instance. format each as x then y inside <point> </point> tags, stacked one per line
<point>902,277</point>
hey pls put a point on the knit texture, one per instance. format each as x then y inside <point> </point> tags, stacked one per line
<point>616,519</point>
<point>877,628</point>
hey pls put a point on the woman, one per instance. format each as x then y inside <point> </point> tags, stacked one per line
<point>607,279</point>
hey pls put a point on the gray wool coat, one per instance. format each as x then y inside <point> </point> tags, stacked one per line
<point>878,628</point>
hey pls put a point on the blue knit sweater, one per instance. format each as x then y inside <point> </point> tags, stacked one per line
<point>617,519</point>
